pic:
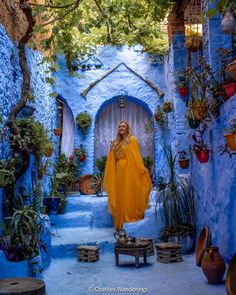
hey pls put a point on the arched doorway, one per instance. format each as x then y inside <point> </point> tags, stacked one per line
<point>106,124</point>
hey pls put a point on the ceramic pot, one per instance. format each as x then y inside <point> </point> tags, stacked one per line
<point>57,131</point>
<point>203,156</point>
<point>231,141</point>
<point>213,265</point>
<point>184,163</point>
<point>230,89</point>
<point>182,91</point>
<point>228,23</point>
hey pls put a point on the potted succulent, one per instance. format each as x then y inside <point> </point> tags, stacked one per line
<point>58,131</point>
<point>167,107</point>
<point>83,121</point>
<point>200,148</point>
<point>159,116</point>
<point>183,161</point>
<point>23,238</point>
<point>230,136</point>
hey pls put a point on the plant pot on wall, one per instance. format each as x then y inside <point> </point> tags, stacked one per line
<point>203,156</point>
<point>184,163</point>
<point>231,141</point>
<point>199,112</point>
<point>28,111</point>
<point>182,91</point>
<point>57,131</point>
<point>230,89</point>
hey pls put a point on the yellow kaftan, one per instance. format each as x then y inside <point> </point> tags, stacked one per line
<point>127,183</point>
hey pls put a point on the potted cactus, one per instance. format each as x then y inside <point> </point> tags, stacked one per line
<point>230,135</point>
<point>183,161</point>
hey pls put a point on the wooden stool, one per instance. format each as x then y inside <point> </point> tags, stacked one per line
<point>22,286</point>
<point>169,252</point>
<point>88,253</point>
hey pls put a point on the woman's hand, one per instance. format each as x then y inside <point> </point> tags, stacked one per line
<point>112,143</point>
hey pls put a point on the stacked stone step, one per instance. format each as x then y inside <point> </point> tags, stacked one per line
<point>88,253</point>
<point>169,252</point>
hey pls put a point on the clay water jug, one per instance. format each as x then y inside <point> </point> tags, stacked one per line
<point>213,265</point>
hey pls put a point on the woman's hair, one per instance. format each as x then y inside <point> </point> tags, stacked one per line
<point>118,136</point>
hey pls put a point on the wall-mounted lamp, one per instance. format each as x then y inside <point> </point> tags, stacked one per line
<point>122,99</point>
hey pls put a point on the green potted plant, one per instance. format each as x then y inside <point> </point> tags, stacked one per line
<point>83,121</point>
<point>182,81</point>
<point>183,161</point>
<point>199,147</point>
<point>159,116</point>
<point>177,203</point>
<point>167,107</point>
<point>25,228</point>
<point>230,134</point>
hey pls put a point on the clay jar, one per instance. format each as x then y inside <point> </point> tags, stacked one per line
<point>213,265</point>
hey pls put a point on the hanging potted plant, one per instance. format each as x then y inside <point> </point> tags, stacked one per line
<point>48,150</point>
<point>230,136</point>
<point>199,109</point>
<point>193,41</point>
<point>80,154</point>
<point>183,161</point>
<point>159,116</point>
<point>58,131</point>
<point>182,82</point>
<point>200,148</point>
<point>167,107</point>
<point>83,121</point>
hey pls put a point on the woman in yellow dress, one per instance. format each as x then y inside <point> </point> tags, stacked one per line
<point>126,180</point>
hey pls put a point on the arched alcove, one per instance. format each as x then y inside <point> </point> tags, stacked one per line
<point>136,113</point>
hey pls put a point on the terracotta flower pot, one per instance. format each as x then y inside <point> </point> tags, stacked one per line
<point>203,156</point>
<point>48,152</point>
<point>184,163</point>
<point>231,141</point>
<point>213,265</point>
<point>200,112</point>
<point>182,91</point>
<point>230,89</point>
<point>57,131</point>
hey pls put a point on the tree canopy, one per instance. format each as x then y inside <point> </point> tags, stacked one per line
<point>78,27</point>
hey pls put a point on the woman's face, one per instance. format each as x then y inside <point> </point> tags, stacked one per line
<point>122,128</point>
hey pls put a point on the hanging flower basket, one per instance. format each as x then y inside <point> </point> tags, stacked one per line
<point>203,156</point>
<point>184,163</point>
<point>83,121</point>
<point>28,111</point>
<point>231,141</point>
<point>230,89</point>
<point>57,131</point>
<point>182,91</point>
<point>4,176</point>
<point>199,111</point>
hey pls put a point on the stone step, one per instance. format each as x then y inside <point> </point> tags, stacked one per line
<point>73,219</point>
<point>66,241</point>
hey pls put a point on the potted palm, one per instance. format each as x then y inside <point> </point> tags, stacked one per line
<point>183,161</point>
<point>178,207</point>
<point>83,121</point>
<point>230,136</point>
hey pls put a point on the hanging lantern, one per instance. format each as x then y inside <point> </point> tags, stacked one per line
<point>122,101</point>
<point>228,23</point>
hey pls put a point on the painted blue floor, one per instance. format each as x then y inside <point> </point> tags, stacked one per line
<point>87,221</point>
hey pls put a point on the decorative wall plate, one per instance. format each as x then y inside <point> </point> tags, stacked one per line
<point>202,243</point>
<point>85,185</point>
